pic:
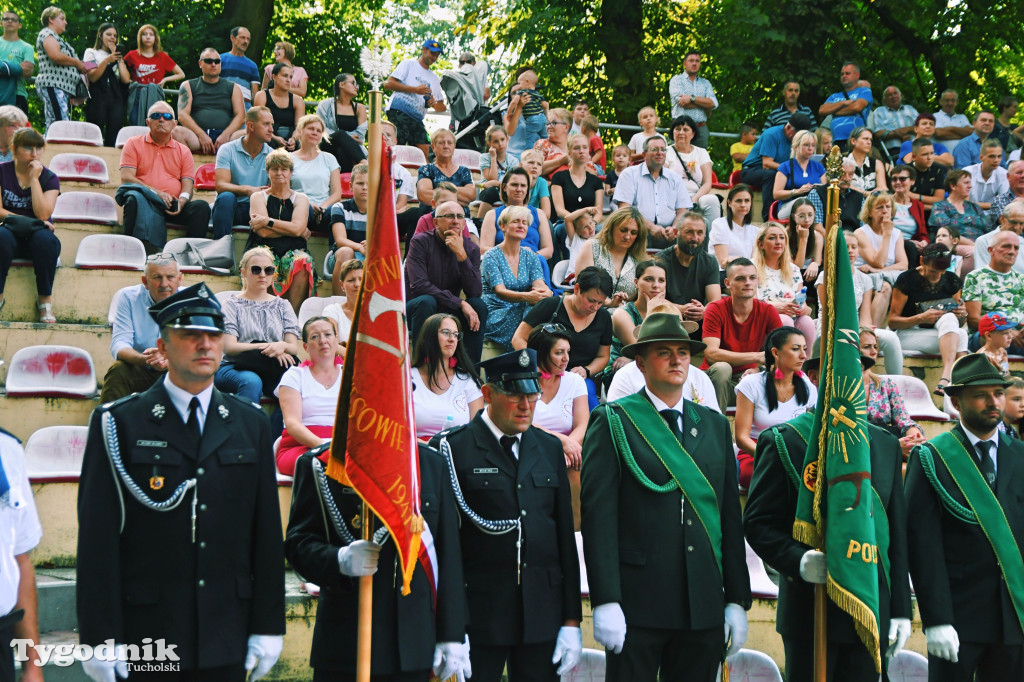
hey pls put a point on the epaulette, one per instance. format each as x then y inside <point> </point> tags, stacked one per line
<point>447,433</point>
<point>248,403</point>
<point>8,433</point>
<point>114,403</point>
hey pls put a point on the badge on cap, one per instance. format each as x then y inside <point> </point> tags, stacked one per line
<point>203,293</point>
<point>524,359</point>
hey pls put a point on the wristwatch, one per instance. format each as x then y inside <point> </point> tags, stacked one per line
<point>270,222</point>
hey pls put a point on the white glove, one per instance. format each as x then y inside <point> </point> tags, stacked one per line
<point>735,628</point>
<point>899,630</point>
<point>813,568</point>
<point>102,670</point>
<point>451,658</point>
<point>568,648</point>
<point>610,627</point>
<point>943,642</point>
<point>264,650</point>
<point>359,558</point>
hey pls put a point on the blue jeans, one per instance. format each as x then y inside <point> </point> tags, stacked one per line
<point>243,383</point>
<point>228,211</point>
<point>529,130</point>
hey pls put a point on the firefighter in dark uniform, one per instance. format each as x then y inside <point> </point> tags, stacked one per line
<point>519,555</point>
<point>179,537</point>
<point>411,634</point>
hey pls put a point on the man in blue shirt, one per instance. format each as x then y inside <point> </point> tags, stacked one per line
<point>241,169</point>
<point>771,149</point>
<point>238,68</point>
<point>850,107</point>
<point>133,337</point>
<point>968,150</point>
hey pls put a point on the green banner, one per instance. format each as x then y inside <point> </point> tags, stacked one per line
<point>835,501</point>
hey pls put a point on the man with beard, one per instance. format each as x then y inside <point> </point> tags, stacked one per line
<point>692,272</point>
<point>966,488</point>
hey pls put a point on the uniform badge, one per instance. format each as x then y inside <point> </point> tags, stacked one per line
<point>223,411</point>
<point>159,410</point>
<point>202,293</point>
<point>156,482</point>
<point>693,432</point>
<point>524,359</point>
<point>357,521</point>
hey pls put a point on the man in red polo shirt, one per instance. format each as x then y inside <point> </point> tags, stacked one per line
<point>157,176</point>
<point>735,328</point>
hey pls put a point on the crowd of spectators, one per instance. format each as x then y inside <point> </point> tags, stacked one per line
<point>932,203</point>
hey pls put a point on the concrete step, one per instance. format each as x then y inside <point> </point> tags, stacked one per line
<point>928,368</point>
<point>93,338</point>
<point>25,416</point>
<point>110,155</point>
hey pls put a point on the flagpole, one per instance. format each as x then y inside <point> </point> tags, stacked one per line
<point>833,165</point>
<point>376,65</point>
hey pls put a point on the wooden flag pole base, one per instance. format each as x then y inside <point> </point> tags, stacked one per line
<point>820,633</point>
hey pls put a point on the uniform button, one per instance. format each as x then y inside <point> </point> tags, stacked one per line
<point>156,457</point>
<point>202,583</point>
<point>202,544</point>
<point>689,522</point>
<point>789,579</point>
<point>426,504</point>
<point>524,564</point>
<point>200,471</point>
<point>486,483</point>
<point>519,486</point>
<point>240,457</point>
<point>202,507</point>
<point>690,548</point>
<point>524,513</point>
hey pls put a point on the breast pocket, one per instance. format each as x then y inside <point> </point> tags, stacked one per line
<point>546,485</point>
<point>155,456</point>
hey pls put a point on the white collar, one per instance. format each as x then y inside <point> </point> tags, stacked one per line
<point>181,398</point>
<point>994,438</point>
<point>660,404</point>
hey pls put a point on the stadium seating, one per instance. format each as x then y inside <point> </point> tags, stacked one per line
<point>54,453</point>
<point>85,207</point>
<point>205,177</point>
<point>468,158</point>
<point>589,669</point>
<point>346,185</point>
<point>558,274</point>
<point>747,665</point>
<point>314,306</point>
<point>74,132</point>
<point>51,372</point>
<point>75,167</point>
<point>715,184</point>
<point>127,132</point>
<point>917,397</point>
<point>409,156</point>
<point>111,252</point>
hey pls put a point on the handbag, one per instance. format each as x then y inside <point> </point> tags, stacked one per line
<point>216,255</point>
<point>23,225</point>
<point>267,368</point>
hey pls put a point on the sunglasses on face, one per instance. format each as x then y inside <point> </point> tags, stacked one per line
<point>208,60</point>
<point>165,115</point>
<point>268,271</point>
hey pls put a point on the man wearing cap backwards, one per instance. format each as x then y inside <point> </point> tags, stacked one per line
<point>661,523</point>
<point>966,488</point>
<point>519,557</point>
<point>179,539</point>
<point>416,89</point>
<point>768,521</point>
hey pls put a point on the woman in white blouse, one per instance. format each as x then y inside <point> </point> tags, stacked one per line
<point>446,387</point>
<point>694,165</point>
<point>779,281</point>
<point>351,279</point>
<point>309,394</point>
<point>732,236</point>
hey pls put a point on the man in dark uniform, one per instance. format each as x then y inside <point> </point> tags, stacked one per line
<point>410,634</point>
<point>966,488</point>
<point>768,522</point>
<point>661,524</point>
<point>179,529</point>
<point>519,557</point>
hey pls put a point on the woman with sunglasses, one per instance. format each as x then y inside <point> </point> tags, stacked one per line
<point>445,384</point>
<point>261,333</point>
<point>585,318</point>
<point>277,221</point>
<point>909,216</point>
<point>344,120</point>
<point>309,394</point>
<point>882,254</point>
<point>927,311</point>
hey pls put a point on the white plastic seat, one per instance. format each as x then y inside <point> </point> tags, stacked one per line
<point>55,453</point>
<point>917,398</point>
<point>85,207</point>
<point>51,372</point>
<point>590,668</point>
<point>558,274</point>
<point>127,132</point>
<point>908,666</point>
<point>74,132</point>
<point>947,407</point>
<point>314,306</point>
<point>748,665</point>
<point>223,296</point>
<point>180,245</point>
<point>468,158</point>
<point>111,252</point>
<point>761,586</point>
<point>409,156</point>
<point>75,167</point>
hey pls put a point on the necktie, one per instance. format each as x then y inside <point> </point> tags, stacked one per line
<point>671,418</point>
<point>985,463</point>
<point>506,444</point>
<point>192,425</point>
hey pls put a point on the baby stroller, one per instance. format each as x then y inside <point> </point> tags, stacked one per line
<point>470,116</point>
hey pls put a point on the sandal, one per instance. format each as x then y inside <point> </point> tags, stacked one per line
<point>940,388</point>
<point>46,313</point>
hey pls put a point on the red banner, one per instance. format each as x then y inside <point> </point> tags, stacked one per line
<point>375,447</point>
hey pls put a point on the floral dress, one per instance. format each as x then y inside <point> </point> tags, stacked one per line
<point>886,407</point>
<point>503,317</point>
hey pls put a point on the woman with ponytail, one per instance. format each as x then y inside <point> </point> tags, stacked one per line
<point>771,397</point>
